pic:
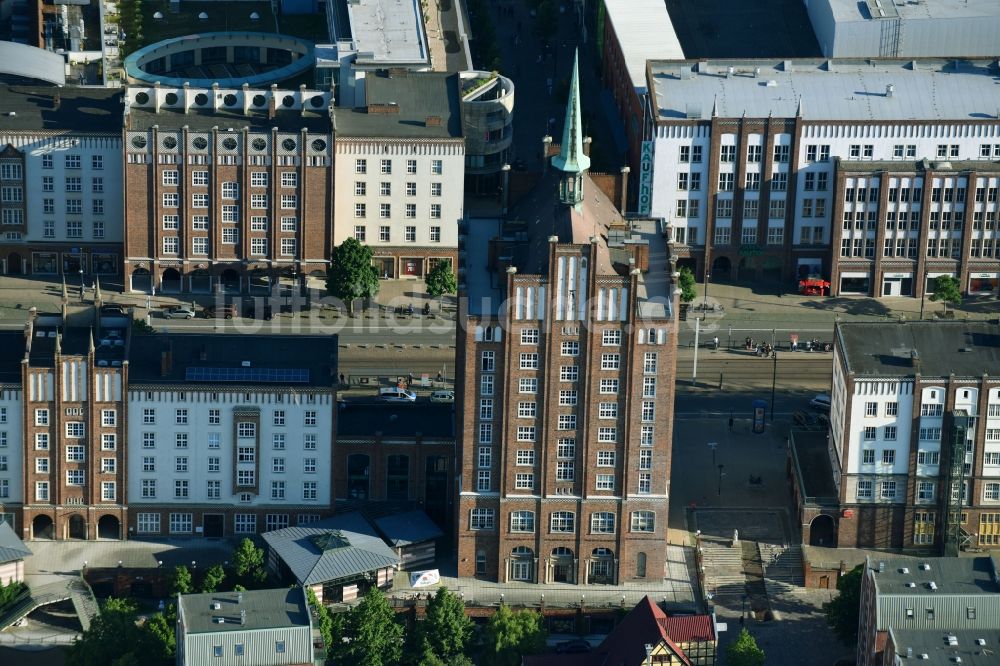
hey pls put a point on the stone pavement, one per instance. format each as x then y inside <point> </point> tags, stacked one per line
<point>676,590</point>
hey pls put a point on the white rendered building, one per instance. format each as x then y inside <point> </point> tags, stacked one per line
<point>758,167</point>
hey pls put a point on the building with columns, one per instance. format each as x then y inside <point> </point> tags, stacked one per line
<point>914,440</point>
<point>878,174</point>
<point>566,361</point>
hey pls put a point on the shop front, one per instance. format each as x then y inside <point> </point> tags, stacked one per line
<point>855,283</point>
<point>984,283</point>
<point>897,284</point>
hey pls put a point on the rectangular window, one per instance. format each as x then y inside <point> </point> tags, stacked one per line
<point>526,410</point>
<point>569,373</point>
<point>529,361</point>
<point>570,348</point>
<point>610,361</point>
<point>524,481</point>
<point>309,490</point>
<point>608,410</point>
<point>566,422</point>
<point>565,470</point>
<point>643,521</point>
<point>526,385</point>
<point>645,483</point>
<point>609,386</point>
<point>887,490</point>
<point>567,398</point>
<point>481,519</point>
<point>605,458</point>
<point>607,434</point>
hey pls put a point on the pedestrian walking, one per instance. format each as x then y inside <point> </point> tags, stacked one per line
<point>342,378</point>
<point>409,379</point>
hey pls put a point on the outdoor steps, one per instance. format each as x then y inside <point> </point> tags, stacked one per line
<point>84,603</point>
<point>723,568</point>
<point>782,564</point>
<point>37,597</point>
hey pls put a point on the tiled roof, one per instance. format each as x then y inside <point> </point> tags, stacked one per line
<point>644,624</point>
<point>684,628</point>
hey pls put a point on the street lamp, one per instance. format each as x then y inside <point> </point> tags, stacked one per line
<point>81,280</point>
<point>721,473</point>
<point>774,376</point>
<point>708,276</point>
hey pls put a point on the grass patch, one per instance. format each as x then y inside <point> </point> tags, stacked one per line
<point>222,17</point>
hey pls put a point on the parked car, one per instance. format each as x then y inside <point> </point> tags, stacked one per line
<point>443,396</point>
<point>112,309</point>
<point>396,395</point>
<point>223,311</point>
<point>179,312</point>
<point>267,312</point>
<point>575,646</point>
<point>820,401</point>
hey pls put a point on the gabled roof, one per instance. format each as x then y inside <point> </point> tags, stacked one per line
<point>685,628</point>
<point>11,546</point>
<point>645,623</point>
<point>339,547</point>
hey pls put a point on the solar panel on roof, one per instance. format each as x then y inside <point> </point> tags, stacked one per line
<point>264,375</point>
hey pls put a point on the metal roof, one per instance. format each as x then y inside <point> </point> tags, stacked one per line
<point>942,646</point>
<point>313,557</point>
<point>884,349</point>
<point>839,89</point>
<point>965,576</point>
<point>404,529</point>
<point>11,547</point>
<point>645,32</point>
<point>31,62</point>
<point>387,30</point>
<point>850,10</point>
<point>257,609</point>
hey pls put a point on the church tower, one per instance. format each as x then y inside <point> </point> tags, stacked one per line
<point>571,160</point>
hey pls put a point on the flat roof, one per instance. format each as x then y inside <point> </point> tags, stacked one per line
<point>950,575</point>
<point>397,419</point>
<point>255,121</point>
<point>982,167</point>
<point>389,30</point>
<point>645,32</point>
<point>941,652</point>
<point>852,10</point>
<point>88,110</point>
<point>314,354</point>
<point>261,609</point>
<point>883,349</point>
<point>830,90</point>
<point>812,457</point>
<point>400,104</point>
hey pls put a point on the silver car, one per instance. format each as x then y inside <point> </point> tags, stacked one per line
<point>179,312</point>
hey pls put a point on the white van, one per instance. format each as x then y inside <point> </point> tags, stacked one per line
<point>396,395</point>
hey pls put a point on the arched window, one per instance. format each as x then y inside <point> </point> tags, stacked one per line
<point>640,565</point>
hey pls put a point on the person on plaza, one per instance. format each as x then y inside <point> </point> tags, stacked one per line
<point>715,342</point>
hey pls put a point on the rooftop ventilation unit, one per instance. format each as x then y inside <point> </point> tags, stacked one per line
<point>980,641</point>
<point>905,570</point>
<point>881,567</point>
<point>932,585</point>
<point>216,605</point>
<point>925,566</point>
<point>911,584</point>
<point>952,640</point>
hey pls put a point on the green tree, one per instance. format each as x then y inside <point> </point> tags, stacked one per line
<point>376,639</point>
<point>330,626</point>
<point>181,581</point>
<point>686,282</point>
<point>213,578</point>
<point>113,638</point>
<point>441,280</point>
<point>947,290</point>
<point>140,326</point>
<point>446,630</point>
<point>351,275</point>
<point>842,611</point>
<point>509,635</point>
<point>10,591</point>
<point>744,651</point>
<point>160,631</point>
<point>248,562</point>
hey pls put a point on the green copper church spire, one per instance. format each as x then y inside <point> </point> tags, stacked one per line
<point>571,159</point>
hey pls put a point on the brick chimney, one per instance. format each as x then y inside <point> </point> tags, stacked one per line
<point>623,202</point>
<point>272,102</point>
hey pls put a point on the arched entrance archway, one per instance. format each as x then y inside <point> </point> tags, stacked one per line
<point>522,560</point>
<point>77,527</point>
<point>170,283</point>
<point>231,281</point>
<point>201,281</point>
<point>14,264</point>
<point>602,567</point>
<point>108,527</point>
<point>722,268</point>
<point>141,280</point>
<point>43,528</point>
<point>562,565</point>
<point>823,531</point>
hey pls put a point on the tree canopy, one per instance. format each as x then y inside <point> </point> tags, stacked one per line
<point>744,651</point>
<point>842,611</point>
<point>375,638</point>
<point>947,290</point>
<point>686,283</point>
<point>446,630</point>
<point>248,562</point>
<point>181,581</point>
<point>441,280</point>
<point>351,275</point>
<point>114,638</point>
<point>512,634</point>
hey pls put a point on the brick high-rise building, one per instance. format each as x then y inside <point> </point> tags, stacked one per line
<point>566,363</point>
<point>229,189</point>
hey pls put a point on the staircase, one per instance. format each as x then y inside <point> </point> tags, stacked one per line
<point>782,564</point>
<point>35,598</point>
<point>723,568</point>
<point>84,602</point>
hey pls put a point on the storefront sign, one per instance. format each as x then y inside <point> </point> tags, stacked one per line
<point>646,178</point>
<point>899,275</point>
